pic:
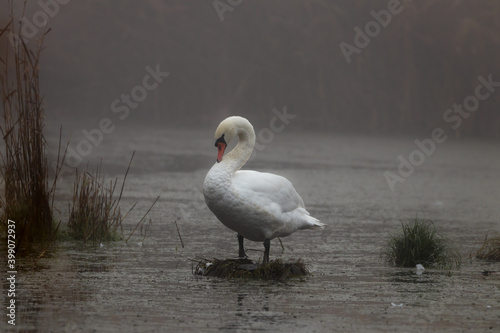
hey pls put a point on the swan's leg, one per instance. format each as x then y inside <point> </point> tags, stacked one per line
<point>241,252</point>
<point>267,245</point>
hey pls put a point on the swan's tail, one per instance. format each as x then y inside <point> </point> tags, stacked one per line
<point>315,223</point>
<point>311,222</point>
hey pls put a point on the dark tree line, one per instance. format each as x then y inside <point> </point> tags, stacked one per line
<point>267,54</point>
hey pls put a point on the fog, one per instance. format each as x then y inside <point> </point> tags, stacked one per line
<point>374,67</point>
<point>378,111</point>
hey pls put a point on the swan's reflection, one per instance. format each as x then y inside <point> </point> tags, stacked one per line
<point>252,311</point>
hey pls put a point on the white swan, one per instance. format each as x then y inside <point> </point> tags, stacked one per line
<point>258,206</point>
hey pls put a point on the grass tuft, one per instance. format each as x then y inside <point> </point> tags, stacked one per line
<point>247,269</point>
<point>95,213</point>
<point>490,250</point>
<point>418,242</point>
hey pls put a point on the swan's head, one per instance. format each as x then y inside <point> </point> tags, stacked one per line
<point>227,130</point>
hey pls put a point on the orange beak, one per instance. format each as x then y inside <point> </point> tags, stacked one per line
<point>221,146</point>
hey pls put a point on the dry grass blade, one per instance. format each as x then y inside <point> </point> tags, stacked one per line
<point>125,177</point>
<point>138,223</point>
<point>179,234</point>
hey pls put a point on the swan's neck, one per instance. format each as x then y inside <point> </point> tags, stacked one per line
<point>236,158</point>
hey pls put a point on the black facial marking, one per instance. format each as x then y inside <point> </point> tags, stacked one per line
<point>221,139</point>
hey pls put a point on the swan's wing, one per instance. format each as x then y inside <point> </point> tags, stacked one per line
<point>267,189</point>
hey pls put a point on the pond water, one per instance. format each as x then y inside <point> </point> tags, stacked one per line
<point>147,285</point>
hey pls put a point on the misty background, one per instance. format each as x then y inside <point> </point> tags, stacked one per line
<point>271,54</point>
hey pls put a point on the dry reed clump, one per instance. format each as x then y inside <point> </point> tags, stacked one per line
<point>420,243</point>
<point>490,250</point>
<point>247,269</point>
<point>95,212</point>
<point>28,197</point>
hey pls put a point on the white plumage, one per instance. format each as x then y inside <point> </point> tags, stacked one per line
<point>258,206</point>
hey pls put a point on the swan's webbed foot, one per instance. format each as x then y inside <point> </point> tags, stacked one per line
<point>267,246</point>
<point>241,251</point>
